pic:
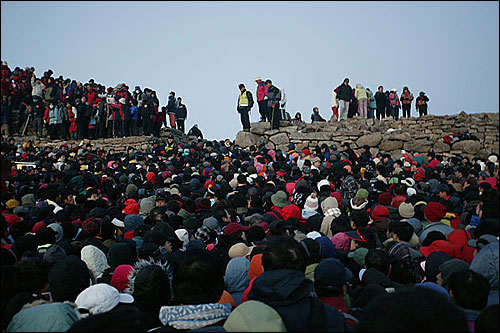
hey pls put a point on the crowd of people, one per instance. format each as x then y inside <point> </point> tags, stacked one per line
<point>209,236</point>
<point>62,108</point>
<point>346,102</point>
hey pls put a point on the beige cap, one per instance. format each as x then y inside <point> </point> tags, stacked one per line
<point>240,250</point>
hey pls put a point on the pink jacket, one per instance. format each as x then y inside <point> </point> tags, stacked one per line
<point>261,91</point>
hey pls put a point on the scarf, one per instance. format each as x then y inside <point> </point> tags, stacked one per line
<point>189,317</point>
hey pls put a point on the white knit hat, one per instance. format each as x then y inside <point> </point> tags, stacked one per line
<point>311,203</point>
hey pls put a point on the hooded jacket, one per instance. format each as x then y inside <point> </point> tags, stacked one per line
<point>48,317</point>
<point>95,260</point>
<point>236,278</point>
<point>486,264</point>
<point>361,92</point>
<point>288,292</point>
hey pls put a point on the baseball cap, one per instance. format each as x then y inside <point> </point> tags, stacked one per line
<point>101,298</point>
<point>234,227</point>
<point>356,235</point>
<point>239,250</point>
<point>331,274</point>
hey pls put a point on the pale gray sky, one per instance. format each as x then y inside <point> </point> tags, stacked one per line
<point>203,50</point>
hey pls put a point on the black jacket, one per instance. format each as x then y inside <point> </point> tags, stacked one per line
<point>84,112</point>
<point>381,99</point>
<point>288,292</point>
<point>250,102</point>
<point>316,117</point>
<point>344,92</point>
<point>273,96</point>
<point>172,105</point>
<point>181,112</point>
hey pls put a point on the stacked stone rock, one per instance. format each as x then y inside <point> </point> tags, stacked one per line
<point>414,135</point>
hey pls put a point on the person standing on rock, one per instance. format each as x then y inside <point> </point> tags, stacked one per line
<point>362,95</point>
<point>273,101</point>
<point>245,104</point>
<point>181,115</point>
<point>345,96</point>
<point>421,104</point>
<point>172,108</point>
<point>394,104</point>
<point>335,109</point>
<point>406,99</point>
<point>381,101</point>
<point>262,99</point>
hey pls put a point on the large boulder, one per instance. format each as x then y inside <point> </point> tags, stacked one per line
<point>246,139</point>
<point>467,146</point>
<point>390,145</point>
<point>320,136</point>
<point>279,139</point>
<point>401,136</point>
<point>419,146</point>
<point>441,147</point>
<point>371,140</point>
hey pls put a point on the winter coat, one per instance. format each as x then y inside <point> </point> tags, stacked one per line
<point>289,293</point>
<point>261,91</point>
<point>361,92</point>
<point>84,112</point>
<point>51,93</point>
<point>37,89</point>
<point>373,102</point>
<point>380,99</point>
<point>334,98</point>
<point>125,111</point>
<point>393,100</point>
<point>50,115</point>
<point>72,118</point>
<point>435,226</point>
<point>406,98</point>
<point>172,105</point>
<point>134,112</point>
<point>236,278</point>
<point>48,317</point>
<point>344,92</point>
<point>273,96</point>
<point>62,115</point>
<point>316,117</point>
<point>486,264</point>
<point>181,112</point>
<point>95,259</point>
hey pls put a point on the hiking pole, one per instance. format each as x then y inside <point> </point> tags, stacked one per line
<point>26,125</point>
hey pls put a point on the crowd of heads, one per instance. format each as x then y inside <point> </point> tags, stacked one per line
<point>208,235</point>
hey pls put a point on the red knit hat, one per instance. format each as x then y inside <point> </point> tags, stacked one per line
<point>306,152</point>
<point>385,198</point>
<point>132,209</point>
<point>12,219</point>
<point>419,174</point>
<point>434,211</point>
<point>151,177</point>
<point>338,196</point>
<point>130,202</point>
<point>120,280</point>
<point>128,235</point>
<point>38,226</point>
<point>379,213</point>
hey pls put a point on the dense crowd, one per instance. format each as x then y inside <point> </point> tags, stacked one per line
<point>346,103</point>
<point>209,236</point>
<point>62,108</point>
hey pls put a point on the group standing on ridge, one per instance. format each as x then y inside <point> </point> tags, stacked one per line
<point>346,102</point>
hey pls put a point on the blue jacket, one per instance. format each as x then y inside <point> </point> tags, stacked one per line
<point>134,112</point>
<point>289,293</point>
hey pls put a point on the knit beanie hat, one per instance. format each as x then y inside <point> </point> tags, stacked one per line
<point>362,193</point>
<point>379,213</point>
<point>434,211</point>
<point>311,203</point>
<point>406,210</point>
<point>385,198</point>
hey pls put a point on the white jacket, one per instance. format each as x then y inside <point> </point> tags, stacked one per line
<point>334,98</point>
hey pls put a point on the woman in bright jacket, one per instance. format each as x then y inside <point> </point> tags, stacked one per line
<point>394,104</point>
<point>72,121</point>
<point>406,99</point>
<point>362,96</point>
<point>372,106</point>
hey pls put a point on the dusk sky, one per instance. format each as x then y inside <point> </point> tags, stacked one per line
<point>203,50</point>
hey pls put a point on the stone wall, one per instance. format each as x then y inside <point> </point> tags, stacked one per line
<point>414,135</point>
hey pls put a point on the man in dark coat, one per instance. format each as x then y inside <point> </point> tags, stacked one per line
<point>345,96</point>
<point>284,287</point>
<point>381,101</point>
<point>273,101</point>
<point>181,115</point>
<point>84,112</point>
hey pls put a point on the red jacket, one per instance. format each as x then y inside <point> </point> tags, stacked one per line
<point>261,91</point>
